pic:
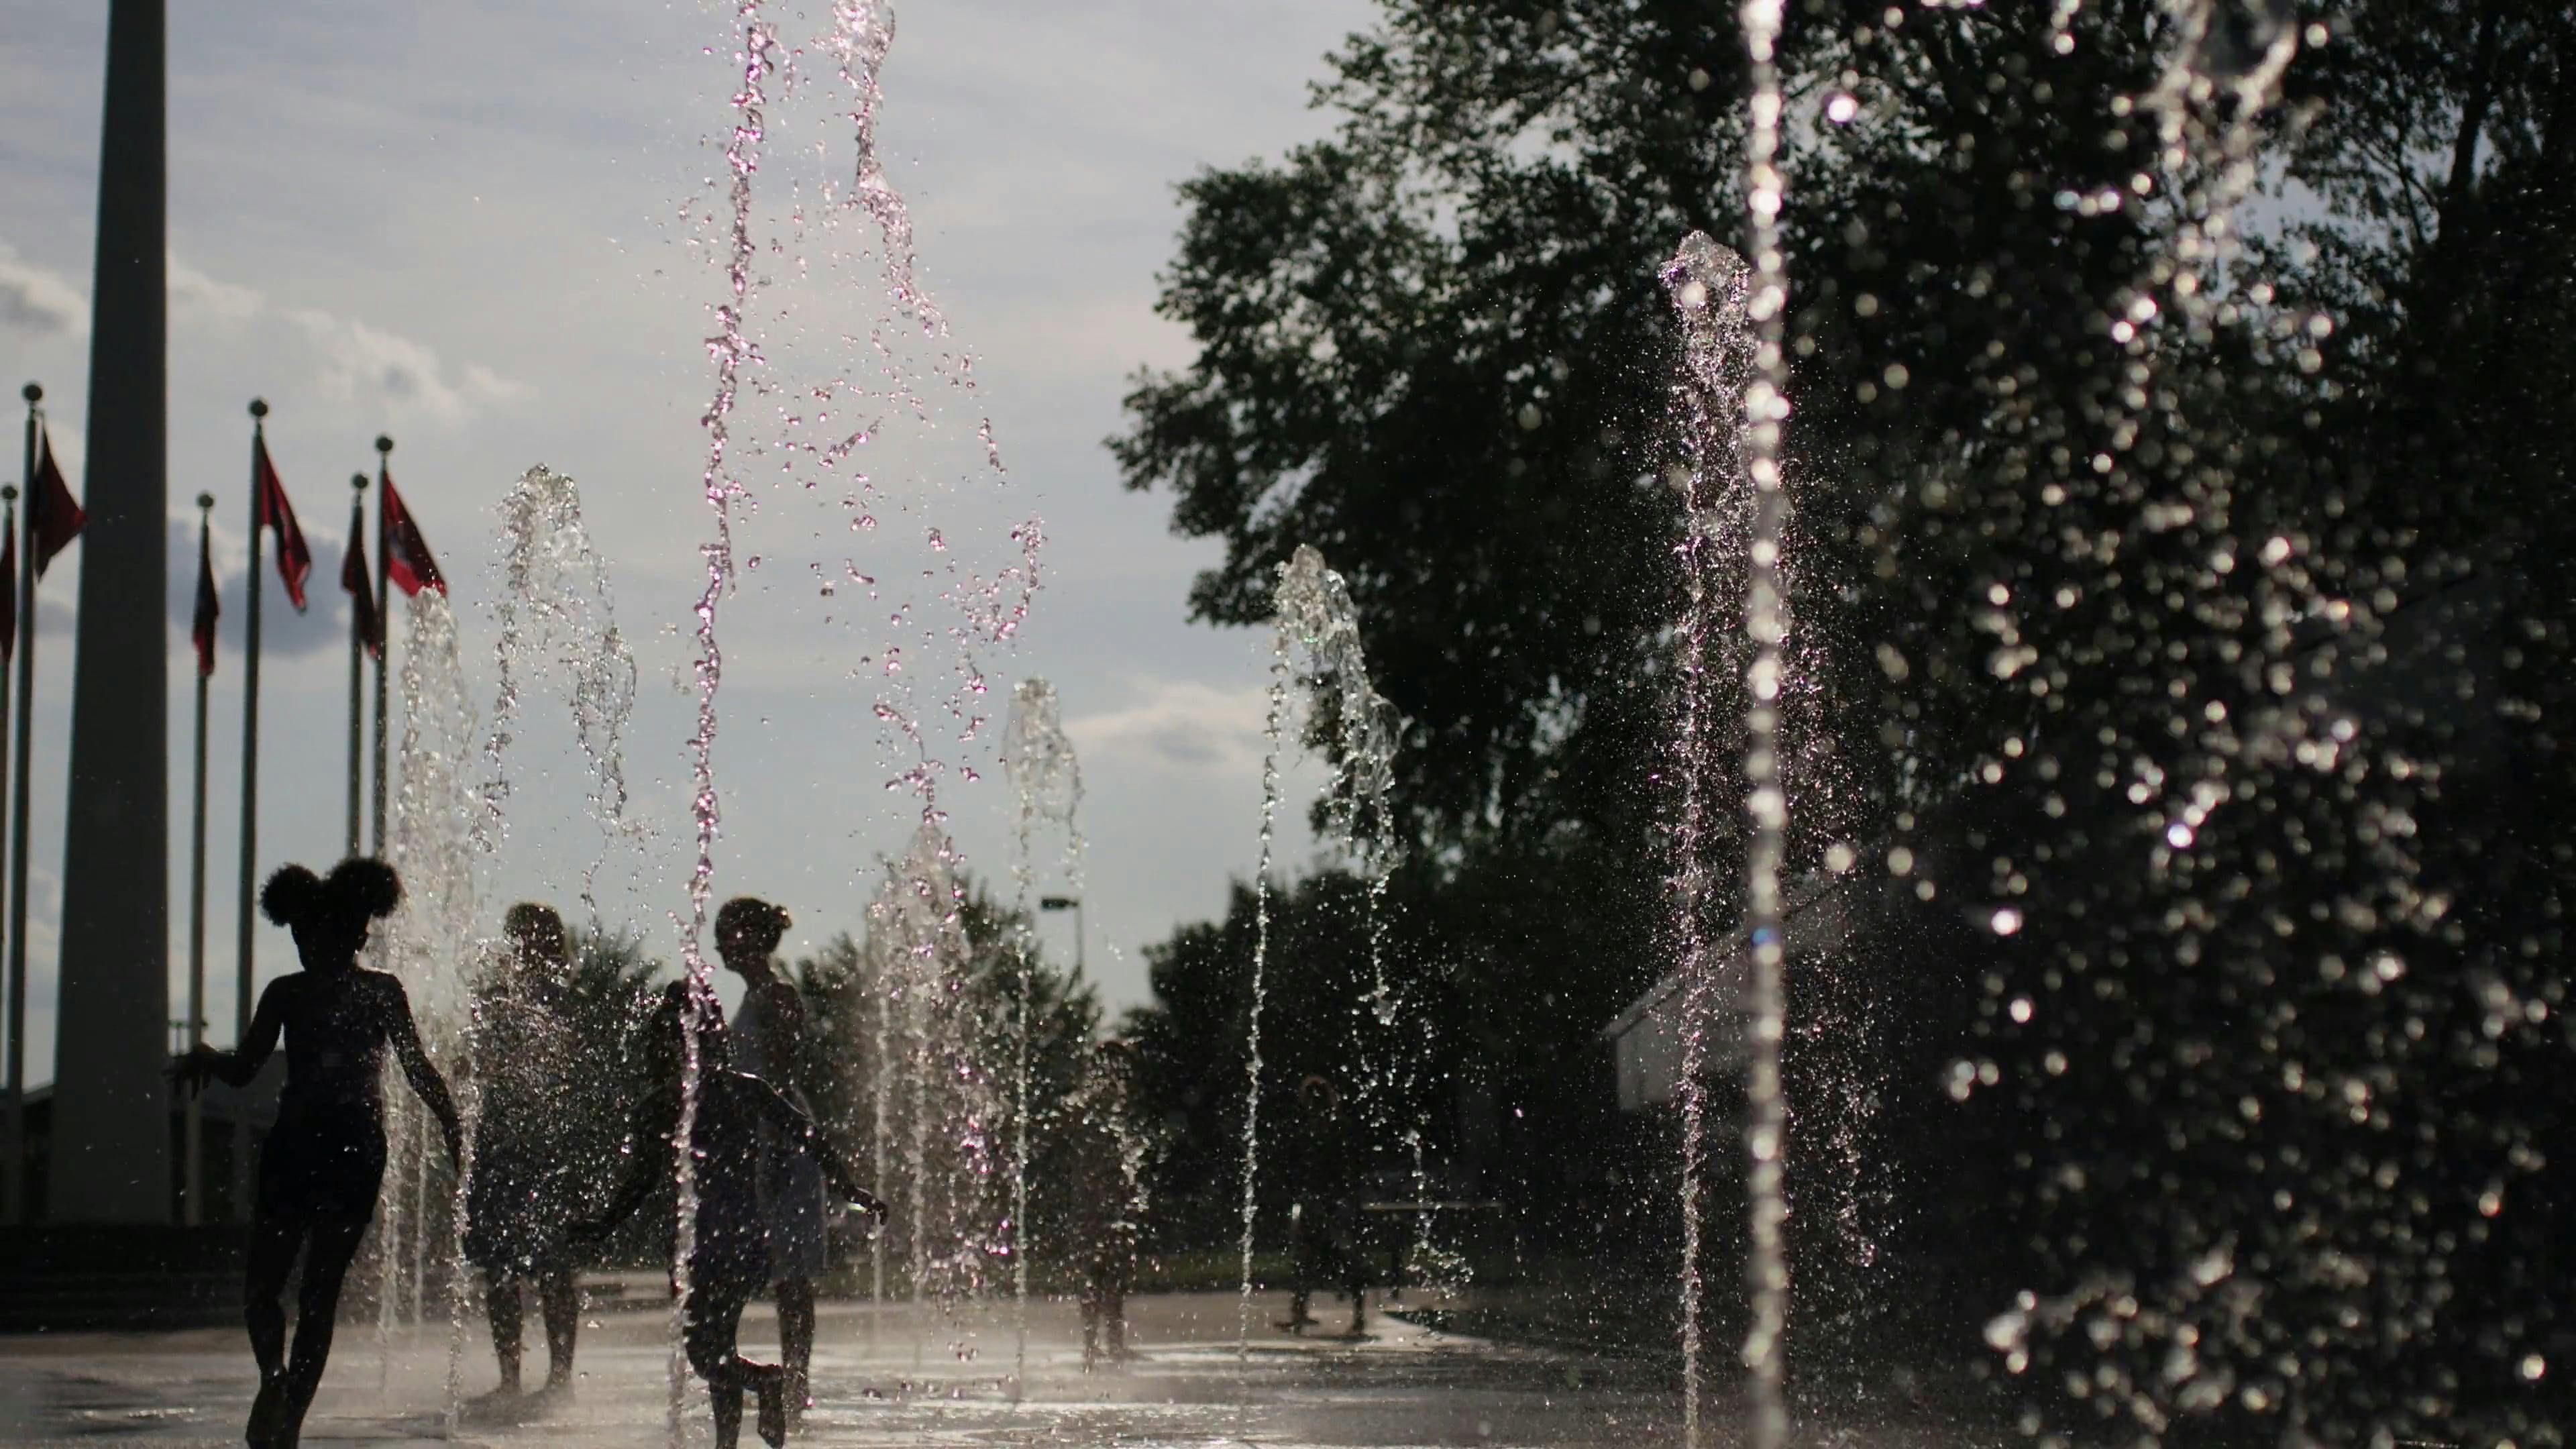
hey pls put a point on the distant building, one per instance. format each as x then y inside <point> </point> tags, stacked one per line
<point>1648,1039</point>
<point>234,1120</point>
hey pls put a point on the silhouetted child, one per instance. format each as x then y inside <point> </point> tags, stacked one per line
<point>323,1163</point>
<point>1326,1214</point>
<point>525,1062</point>
<point>730,1259</point>
<point>768,1042</point>
<point>1105,1167</point>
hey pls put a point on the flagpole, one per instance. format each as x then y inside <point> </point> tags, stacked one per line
<point>9,530</point>
<point>195,1201</point>
<point>246,903</point>
<point>384,632</point>
<point>357,652</point>
<point>16,1147</point>
<point>8,495</point>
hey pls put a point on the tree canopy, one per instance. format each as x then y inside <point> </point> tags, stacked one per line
<point>2179,583</point>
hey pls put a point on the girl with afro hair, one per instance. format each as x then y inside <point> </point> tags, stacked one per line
<point>324,1161</point>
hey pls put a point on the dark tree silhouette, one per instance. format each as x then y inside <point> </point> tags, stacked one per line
<point>2183,625</point>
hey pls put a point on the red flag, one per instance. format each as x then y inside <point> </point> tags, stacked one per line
<point>202,629</point>
<point>407,559</point>
<point>362,589</point>
<point>57,516</point>
<point>9,598</point>
<point>294,560</point>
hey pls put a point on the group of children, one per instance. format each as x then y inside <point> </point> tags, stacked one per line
<point>764,1173</point>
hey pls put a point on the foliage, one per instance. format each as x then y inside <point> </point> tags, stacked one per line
<point>2185,632</point>
<point>1483,983</point>
<point>611,993</point>
<point>1064,1017</point>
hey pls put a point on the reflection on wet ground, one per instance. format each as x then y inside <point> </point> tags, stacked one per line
<point>879,1382</point>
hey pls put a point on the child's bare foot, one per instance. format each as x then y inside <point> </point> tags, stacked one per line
<point>771,1383</point>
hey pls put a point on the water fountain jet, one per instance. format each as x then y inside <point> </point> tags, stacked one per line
<point>1314,619</point>
<point>1046,786</point>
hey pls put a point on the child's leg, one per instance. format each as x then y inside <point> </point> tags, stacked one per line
<point>502,1305</point>
<point>713,1341</point>
<point>271,1259</point>
<point>317,1311</point>
<point>1090,1316</point>
<point>273,1244</point>
<point>1301,1284</point>
<point>561,1298</point>
<point>796,1337</point>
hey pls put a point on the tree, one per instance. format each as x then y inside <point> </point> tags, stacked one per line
<point>1435,353</point>
<point>841,989</point>
<point>1192,1046</point>
<point>2106,528</point>
<point>610,997</point>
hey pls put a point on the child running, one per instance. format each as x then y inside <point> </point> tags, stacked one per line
<point>730,1260</point>
<point>323,1163</point>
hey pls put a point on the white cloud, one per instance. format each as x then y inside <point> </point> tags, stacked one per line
<point>40,301</point>
<point>48,303</point>
<point>353,360</point>
<point>1179,724</point>
<point>196,296</point>
<point>361,361</point>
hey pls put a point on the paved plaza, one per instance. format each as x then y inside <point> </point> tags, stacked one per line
<point>879,1381</point>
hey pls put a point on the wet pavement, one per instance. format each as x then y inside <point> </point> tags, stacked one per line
<point>898,1376</point>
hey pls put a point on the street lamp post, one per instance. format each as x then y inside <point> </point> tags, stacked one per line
<point>1073,904</point>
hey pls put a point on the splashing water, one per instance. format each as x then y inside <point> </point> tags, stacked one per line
<point>2223,74</point>
<point>1046,786</point>
<point>1766,407</point>
<point>2231,53</point>
<point>732,350</point>
<point>1101,1111</point>
<point>2220,76</point>
<point>1314,609</point>
<point>803,398</point>
<point>934,1108</point>
<point>1313,617</point>
<point>915,731</point>
<point>1270,729</point>
<point>862,35</point>
<point>1313,604</point>
<point>431,945</point>
<point>555,605</point>
<point>1709,285</point>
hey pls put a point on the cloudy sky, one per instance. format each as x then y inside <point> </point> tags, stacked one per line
<point>492,231</point>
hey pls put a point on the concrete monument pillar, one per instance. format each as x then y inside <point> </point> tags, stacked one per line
<point>111,1127</point>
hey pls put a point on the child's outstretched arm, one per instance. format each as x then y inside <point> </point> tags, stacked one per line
<point>651,1125</point>
<point>404,1035</point>
<point>236,1067</point>
<point>789,1119</point>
